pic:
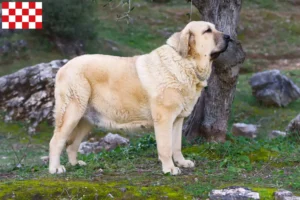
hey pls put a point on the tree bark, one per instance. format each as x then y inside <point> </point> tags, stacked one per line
<point>28,94</point>
<point>210,116</point>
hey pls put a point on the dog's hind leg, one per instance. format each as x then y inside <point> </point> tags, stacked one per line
<point>61,134</point>
<point>70,106</point>
<point>80,131</point>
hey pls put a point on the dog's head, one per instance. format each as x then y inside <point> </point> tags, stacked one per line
<point>199,38</point>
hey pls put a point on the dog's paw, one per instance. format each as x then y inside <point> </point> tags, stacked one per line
<point>57,170</point>
<point>81,163</point>
<point>77,162</point>
<point>185,164</point>
<point>173,171</point>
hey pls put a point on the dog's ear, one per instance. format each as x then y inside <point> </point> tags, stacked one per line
<point>173,41</point>
<point>181,41</point>
<point>184,40</point>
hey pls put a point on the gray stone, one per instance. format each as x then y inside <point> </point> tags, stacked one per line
<point>234,193</point>
<point>291,198</point>
<point>13,48</point>
<point>89,147</point>
<point>28,94</point>
<point>272,88</point>
<point>285,195</point>
<point>109,142</point>
<point>294,125</point>
<point>20,44</point>
<point>45,159</point>
<point>5,48</point>
<point>276,133</point>
<point>245,130</point>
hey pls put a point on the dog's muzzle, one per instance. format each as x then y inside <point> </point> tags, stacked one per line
<point>226,39</point>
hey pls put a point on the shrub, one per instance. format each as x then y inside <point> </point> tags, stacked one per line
<point>69,19</point>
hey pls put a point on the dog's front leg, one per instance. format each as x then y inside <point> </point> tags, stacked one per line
<point>177,137</point>
<point>163,125</point>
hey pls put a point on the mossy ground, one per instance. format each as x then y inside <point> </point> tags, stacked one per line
<point>262,165</point>
<point>71,189</point>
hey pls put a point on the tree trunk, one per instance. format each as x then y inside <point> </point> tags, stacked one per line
<point>210,116</point>
<point>28,94</point>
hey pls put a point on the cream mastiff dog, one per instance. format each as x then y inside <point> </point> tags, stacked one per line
<point>157,90</point>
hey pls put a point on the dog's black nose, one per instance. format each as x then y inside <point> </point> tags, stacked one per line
<point>226,37</point>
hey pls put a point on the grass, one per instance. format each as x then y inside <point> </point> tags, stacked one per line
<point>239,161</point>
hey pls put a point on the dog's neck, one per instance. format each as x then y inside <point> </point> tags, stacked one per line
<point>185,70</point>
<point>201,65</point>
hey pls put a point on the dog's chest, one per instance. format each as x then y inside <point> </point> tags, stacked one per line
<point>190,100</point>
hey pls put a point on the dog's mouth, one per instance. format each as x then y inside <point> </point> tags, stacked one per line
<point>215,55</point>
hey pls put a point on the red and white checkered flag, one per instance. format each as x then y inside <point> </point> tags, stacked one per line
<point>22,15</point>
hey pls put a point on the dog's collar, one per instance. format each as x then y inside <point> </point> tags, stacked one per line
<point>172,47</point>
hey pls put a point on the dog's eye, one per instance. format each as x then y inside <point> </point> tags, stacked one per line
<point>208,31</point>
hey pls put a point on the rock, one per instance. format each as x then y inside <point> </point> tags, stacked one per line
<point>291,198</point>
<point>272,88</point>
<point>12,50</point>
<point>45,159</point>
<point>285,195</point>
<point>281,194</point>
<point>246,130</point>
<point>276,133</point>
<point>233,193</point>
<point>19,44</point>
<point>294,125</point>
<point>109,142</point>
<point>89,147</point>
<point>5,47</point>
<point>98,172</point>
<point>28,94</point>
